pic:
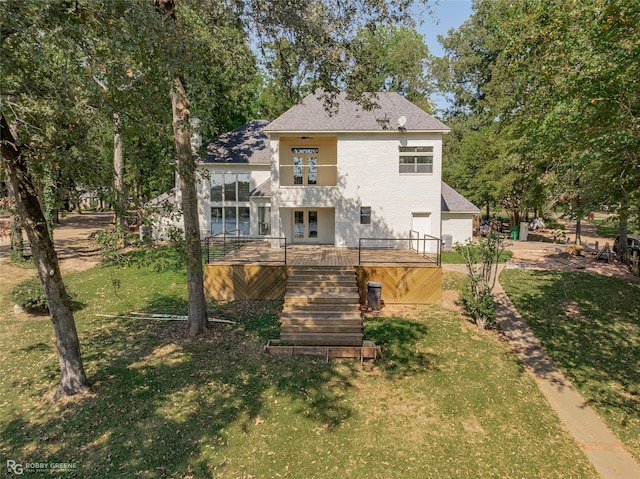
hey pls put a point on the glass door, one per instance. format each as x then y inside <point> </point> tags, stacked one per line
<point>298,225</point>
<point>305,225</point>
<point>305,166</point>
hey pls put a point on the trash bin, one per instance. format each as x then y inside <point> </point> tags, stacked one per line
<point>374,295</point>
<point>515,232</point>
<point>524,231</point>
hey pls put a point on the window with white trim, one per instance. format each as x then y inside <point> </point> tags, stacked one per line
<point>416,159</point>
<point>230,211</point>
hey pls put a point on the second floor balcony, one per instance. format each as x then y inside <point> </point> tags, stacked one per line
<point>308,175</point>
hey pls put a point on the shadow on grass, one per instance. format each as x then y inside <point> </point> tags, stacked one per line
<point>590,325</point>
<point>165,404</point>
<point>400,342</point>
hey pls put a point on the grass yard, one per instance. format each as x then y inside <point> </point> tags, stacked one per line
<point>453,257</point>
<point>446,401</point>
<point>609,226</point>
<point>590,325</point>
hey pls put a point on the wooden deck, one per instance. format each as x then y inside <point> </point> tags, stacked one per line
<point>259,272</point>
<point>299,255</point>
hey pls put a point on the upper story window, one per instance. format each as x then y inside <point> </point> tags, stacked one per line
<point>416,159</point>
<point>230,187</point>
<point>305,166</point>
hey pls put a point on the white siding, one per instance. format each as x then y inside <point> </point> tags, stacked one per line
<point>458,225</point>
<point>368,175</point>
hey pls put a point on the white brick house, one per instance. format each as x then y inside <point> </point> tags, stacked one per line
<point>319,177</point>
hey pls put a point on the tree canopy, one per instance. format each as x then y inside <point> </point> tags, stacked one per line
<point>77,74</point>
<point>560,86</point>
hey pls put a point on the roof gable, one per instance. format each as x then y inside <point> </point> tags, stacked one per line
<point>311,115</point>
<point>454,202</point>
<point>246,144</point>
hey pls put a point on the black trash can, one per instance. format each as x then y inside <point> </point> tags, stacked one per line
<point>374,295</point>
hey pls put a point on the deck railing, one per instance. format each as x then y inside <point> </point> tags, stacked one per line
<point>425,250</point>
<point>222,244</point>
<point>414,236</point>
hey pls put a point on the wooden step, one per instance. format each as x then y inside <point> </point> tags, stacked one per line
<point>292,298</point>
<point>351,305</point>
<point>321,307</point>
<point>311,322</point>
<point>322,293</point>
<point>325,339</point>
<point>314,309</point>
<point>312,288</point>
<point>322,270</point>
<point>316,330</point>
<point>336,315</point>
<point>324,279</point>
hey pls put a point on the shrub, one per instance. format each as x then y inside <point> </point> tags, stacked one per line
<point>481,260</point>
<point>29,295</point>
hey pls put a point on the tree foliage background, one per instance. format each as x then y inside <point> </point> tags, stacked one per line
<point>546,96</point>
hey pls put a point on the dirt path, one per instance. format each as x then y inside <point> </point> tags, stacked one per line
<point>552,256</point>
<point>71,238</point>
<point>75,251</point>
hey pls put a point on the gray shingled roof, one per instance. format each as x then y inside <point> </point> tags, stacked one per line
<point>454,202</point>
<point>311,115</point>
<point>245,144</point>
<point>264,189</point>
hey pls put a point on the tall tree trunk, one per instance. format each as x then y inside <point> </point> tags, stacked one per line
<point>17,243</point>
<point>578,232</point>
<point>73,379</point>
<point>187,170</point>
<point>15,232</point>
<point>49,199</point>
<point>623,225</point>
<point>118,170</point>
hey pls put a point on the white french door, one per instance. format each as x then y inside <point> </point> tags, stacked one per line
<point>305,225</point>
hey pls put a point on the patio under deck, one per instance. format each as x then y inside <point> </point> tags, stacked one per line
<point>257,271</point>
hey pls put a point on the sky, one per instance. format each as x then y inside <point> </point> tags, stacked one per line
<point>450,14</point>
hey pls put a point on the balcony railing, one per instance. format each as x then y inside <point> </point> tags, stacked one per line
<point>320,175</point>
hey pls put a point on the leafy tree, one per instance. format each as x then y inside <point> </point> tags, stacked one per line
<point>561,87</point>
<point>52,53</point>
<point>319,34</point>
<point>392,58</point>
<point>577,70</point>
<point>287,79</point>
<point>466,68</point>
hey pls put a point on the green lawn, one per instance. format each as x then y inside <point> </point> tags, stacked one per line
<point>610,228</point>
<point>590,325</point>
<point>446,401</point>
<point>453,257</point>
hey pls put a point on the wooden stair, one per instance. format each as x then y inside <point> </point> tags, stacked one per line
<point>321,307</point>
